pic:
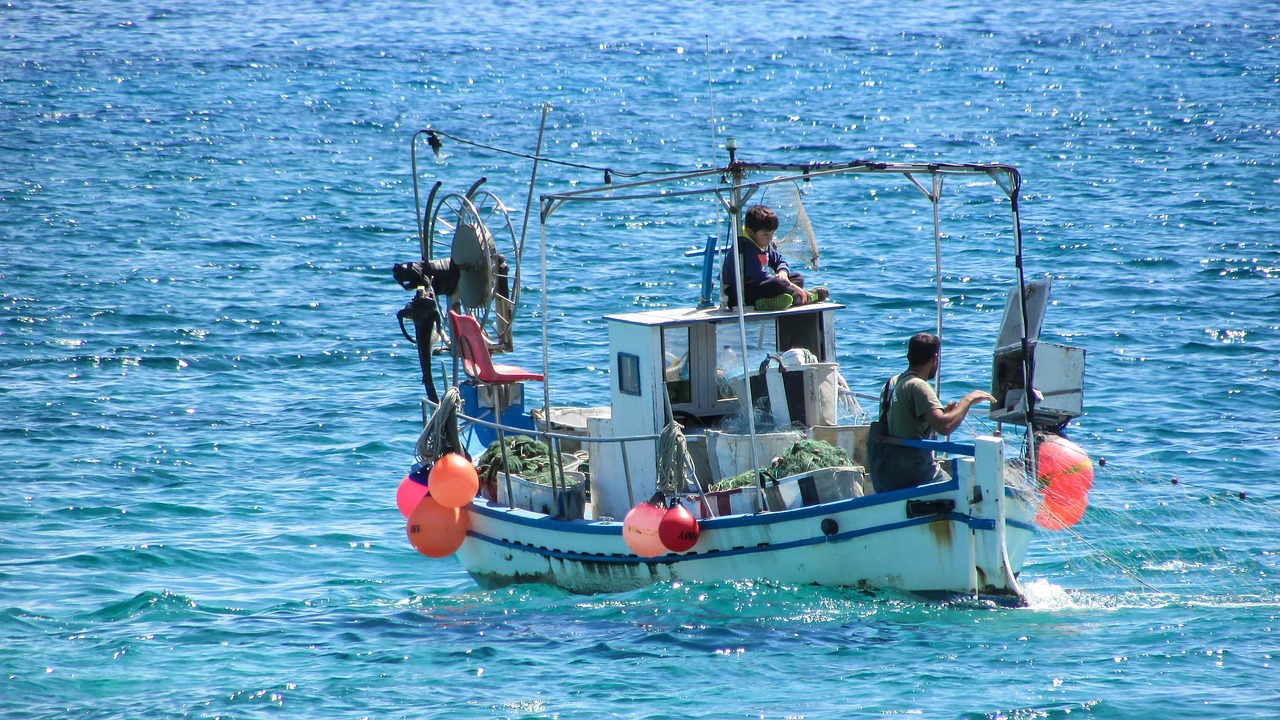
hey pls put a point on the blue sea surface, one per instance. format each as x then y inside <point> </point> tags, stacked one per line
<point>207,404</point>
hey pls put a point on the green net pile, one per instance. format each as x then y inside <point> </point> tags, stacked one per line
<point>804,456</point>
<point>526,458</point>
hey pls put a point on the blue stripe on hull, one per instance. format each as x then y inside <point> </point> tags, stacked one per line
<point>616,529</point>
<point>532,519</point>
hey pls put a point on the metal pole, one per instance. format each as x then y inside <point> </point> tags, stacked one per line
<point>626,474</point>
<point>546,379</point>
<point>937,259</point>
<point>745,402</point>
<point>528,203</point>
<point>554,448</point>
<point>1028,366</point>
<point>506,468</point>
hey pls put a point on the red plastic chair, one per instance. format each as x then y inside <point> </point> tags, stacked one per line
<point>476,359</point>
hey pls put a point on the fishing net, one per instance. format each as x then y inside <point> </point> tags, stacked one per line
<point>525,457</point>
<point>1146,538</point>
<point>803,456</point>
<point>1152,539</point>
<point>794,237</point>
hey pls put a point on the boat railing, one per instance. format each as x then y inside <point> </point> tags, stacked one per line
<point>552,441</point>
<point>944,446</point>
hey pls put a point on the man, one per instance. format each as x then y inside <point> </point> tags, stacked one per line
<point>914,412</point>
<point>768,283</point>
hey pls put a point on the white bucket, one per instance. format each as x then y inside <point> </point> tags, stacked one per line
<point>730,454</point>
<point>850,438</point>
<point>817,487</point>
<point>539,498</point>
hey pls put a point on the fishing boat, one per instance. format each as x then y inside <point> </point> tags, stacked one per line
<point>708,390</point>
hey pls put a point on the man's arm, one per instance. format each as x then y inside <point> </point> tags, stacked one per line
<point>945,421</point>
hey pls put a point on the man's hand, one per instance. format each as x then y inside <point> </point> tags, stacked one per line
<point>978,396</point>
<point>946,420</point>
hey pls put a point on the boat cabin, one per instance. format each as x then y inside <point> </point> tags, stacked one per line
<point>692,359</point>
<point>692,354</point>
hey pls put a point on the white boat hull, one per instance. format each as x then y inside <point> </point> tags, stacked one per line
<point>933,539</point>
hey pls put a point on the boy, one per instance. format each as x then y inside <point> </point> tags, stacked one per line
<point>768,283</point>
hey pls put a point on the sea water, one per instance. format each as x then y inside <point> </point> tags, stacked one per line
<point>206,404</point>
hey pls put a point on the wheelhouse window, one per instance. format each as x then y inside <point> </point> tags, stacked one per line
<point>676,370</point>
<point>629,373</point>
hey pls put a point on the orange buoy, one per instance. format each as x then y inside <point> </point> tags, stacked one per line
<point>435,530</point>
<point>1065,474</point>
<point>453,480</point>
<point>411,491</point>
<point>640,528</point>
<point>679,529</point>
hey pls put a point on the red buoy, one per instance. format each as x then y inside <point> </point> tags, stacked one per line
<point>640,528</point>
<point>1065,474</point>
<point>679,529</point>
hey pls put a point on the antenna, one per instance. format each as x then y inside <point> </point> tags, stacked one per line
<point>711,253</point>
<point>711,99</point>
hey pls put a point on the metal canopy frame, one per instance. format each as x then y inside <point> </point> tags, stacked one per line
<point>1005,176</point>
<point>729,184</point>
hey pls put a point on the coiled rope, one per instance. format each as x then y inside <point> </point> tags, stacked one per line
<point>440,434</point>
<point>674,461</point>
<point>672,458</point>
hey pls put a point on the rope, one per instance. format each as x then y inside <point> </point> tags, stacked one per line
<point>674,462</point>
<point>673,458</point>
<point>440,434</point>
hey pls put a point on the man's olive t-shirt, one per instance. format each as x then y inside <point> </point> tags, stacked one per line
<point>912,399</point>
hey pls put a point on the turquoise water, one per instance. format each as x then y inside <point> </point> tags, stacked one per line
<point>208,405</point>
